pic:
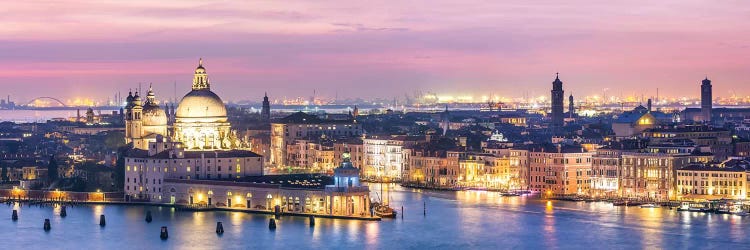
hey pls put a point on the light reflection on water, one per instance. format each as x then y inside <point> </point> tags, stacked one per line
<point>472,219</point>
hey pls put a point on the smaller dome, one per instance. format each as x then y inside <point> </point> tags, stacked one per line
<point>153,115</point>
<point>137,100</point>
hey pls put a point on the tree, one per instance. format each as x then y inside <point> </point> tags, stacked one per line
<point>119,173</point>
<point>114,140</point>
<point>5,173</point>
<point>52,172</point>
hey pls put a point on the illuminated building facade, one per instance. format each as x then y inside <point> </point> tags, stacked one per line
<point>342,195</point>
<point>432,168</point>
<point>717,140</point>
<point>632,123</point>
<point>301,126</point>
<point>202,164</point>
<point>651,175</point>
<point>705,182</point>
<point>559,170</point>
<point>317,156</point>
<point>383,156</point>
<point>201,117</point>
<point>605,165</point>
<point>200,148</point>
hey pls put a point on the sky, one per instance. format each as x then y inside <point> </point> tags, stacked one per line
<point>368,49</point>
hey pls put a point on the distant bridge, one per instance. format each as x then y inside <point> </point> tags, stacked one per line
<point>46,98</point>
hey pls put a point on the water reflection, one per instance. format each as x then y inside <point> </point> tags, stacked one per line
<point>454,220</point>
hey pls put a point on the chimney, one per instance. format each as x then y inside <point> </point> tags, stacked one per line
<point>649,105</point>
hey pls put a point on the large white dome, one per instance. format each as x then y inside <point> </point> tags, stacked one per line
<point>201,103</point>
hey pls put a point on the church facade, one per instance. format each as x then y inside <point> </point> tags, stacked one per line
<point>200,162</point>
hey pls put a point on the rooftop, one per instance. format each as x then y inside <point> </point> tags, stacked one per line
<point>235,153</point>
<point>301,181</point>
<point>701,167</point>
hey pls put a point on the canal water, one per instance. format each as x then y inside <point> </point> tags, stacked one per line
<point>454,220</point>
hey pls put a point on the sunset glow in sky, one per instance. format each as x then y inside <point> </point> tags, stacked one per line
<point>374,48</point>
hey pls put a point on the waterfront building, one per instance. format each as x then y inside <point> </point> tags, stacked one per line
<point>432,168</point>
<point>706,101</point>
<point>559,169</point>
<point>383,155</point>
<point>651,175</point>
<point>706,182</point>
<point>342,195</point>
<point>605,165</point>
<point>557,97</point>
<point>519,161</point>
<point>484,170</point>
<point>473,169</point>
<point>305,126</point>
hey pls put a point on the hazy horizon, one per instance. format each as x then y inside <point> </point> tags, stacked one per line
<point>386,49</point>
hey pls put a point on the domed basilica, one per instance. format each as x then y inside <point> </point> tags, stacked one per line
<point>200,122</point>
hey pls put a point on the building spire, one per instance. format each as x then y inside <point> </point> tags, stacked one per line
<point>200,79</point>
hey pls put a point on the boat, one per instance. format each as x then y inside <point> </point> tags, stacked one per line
<point>650,205</point>
<point>509,194</point>
<point>381,209</point>
<point>577,198</point>
<point>739,213</point>
<point>521,191</point>
<point>384,211</point>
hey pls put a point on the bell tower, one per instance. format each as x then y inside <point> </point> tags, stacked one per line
<point>136,122</point>
<point>557,97</point>
<point>706,100</point>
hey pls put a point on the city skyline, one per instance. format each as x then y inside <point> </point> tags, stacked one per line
<point>374,50</point>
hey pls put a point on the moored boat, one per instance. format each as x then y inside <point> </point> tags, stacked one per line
<point>384,211</point>
<point>650,205</point>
